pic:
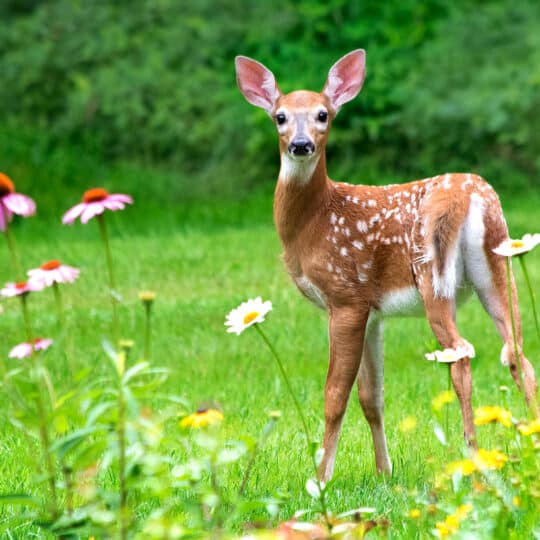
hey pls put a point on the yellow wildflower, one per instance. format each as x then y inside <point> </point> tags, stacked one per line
<point>442,399</point>
<point>489,414</point>
<point>408,423</point>
<point>489,459</point>
<point>529,429</point>
<point>463,510</point>
<point>516,501</point>
<point>414,513</point>
<point>147,296</point>
<point>447,527</point>
<point>465,466</point>
<point>202,418</point>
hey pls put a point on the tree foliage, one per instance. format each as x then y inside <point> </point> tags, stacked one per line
<point>449,85</point>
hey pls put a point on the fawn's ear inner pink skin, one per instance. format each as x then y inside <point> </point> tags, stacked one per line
<point>367,252</point>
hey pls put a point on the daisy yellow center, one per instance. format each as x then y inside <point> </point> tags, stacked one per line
<point>50,265</point>
<point>516,244</point>
<point>20,285</point>
<point>251,316</point>
<point>95,195</point>
<point>6,185</point>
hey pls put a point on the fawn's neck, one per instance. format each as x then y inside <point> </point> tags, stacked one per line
<point>302,191</point>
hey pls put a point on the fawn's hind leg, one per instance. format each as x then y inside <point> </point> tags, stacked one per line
<point>441,316</point>
<point>493,294</point>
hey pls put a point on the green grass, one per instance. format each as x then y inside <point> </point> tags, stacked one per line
<point>202,266</point>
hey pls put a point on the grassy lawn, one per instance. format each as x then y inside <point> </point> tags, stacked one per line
<point>201,265</point>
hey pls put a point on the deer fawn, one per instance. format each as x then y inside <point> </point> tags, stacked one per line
<point>364,252</point>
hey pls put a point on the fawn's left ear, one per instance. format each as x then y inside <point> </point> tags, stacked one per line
<point>345,78</point>
<point>257,83</point>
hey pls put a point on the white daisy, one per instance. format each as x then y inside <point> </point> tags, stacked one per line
<point>449,356</point>
<point>510,247</point>
<point>247,314</point>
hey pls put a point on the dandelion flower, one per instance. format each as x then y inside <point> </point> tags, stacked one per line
<point>95,202</point>
<point>510,247</point>
<point>489,459</point>
<point>414,513</point>
<point>531,428</point>
<point>449,356</point>
<point>23,350</point>
<point>18,289</point>
<point>442,399</point>
<point>12,202</point>
<point>247,314</point>
<point>53,272</point>
<point>202,418</point>
<point>490,414</point>
<point>463,466</point>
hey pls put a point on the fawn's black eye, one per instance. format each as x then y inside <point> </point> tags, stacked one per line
<point>322,116</point>
<point>281,118</point>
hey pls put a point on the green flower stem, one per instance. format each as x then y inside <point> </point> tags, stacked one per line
<point>61,322</point>
<point>37,376</point>
<point>121,431</point>
<point>147,329</point>
<point>59,306</point>
<point>287,382</point>
<point>12,250</point>
<point>513,320</point>
<point>322,493</point>
<point>27,321</point>
<point>112,285</point>
<point>531,292</point>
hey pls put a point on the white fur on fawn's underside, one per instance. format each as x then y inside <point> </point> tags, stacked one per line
<point>298,170</point>
<point>402,302</point>
<point>311,291</point>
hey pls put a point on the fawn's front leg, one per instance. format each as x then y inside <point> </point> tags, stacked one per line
<point>347,326</point>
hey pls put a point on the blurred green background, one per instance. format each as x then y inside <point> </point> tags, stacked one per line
<point>140,96</point>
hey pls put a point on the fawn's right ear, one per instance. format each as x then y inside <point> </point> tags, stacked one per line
<point>257,83</point>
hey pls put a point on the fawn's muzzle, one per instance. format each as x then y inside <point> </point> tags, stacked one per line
<point>301,146</point>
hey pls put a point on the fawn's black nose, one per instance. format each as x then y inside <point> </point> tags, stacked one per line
<point>301,146</point>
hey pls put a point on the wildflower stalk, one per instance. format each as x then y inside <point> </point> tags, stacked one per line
<point>322,493</point>
<point>513,320</point>
<point>36,373</point>
<point>112,283</point>
<point>12,250</point>
<point>61,322</point>
<point>531,292</point>
<point>287,382</point>
<point>121,433</point>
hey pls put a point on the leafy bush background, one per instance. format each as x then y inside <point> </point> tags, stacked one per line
<point>450,86</point>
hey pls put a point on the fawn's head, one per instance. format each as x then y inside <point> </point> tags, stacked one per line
<point>302,118</point>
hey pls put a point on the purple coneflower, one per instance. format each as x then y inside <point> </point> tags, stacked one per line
<point>23,350</point>
<point>18,289</point>
<point>12,202</point>
<point>53,272</point>
<point>95,202</point>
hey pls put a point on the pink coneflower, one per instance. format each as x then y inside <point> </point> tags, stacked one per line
<point>95,202</point>
<point>13,203</point>
<point>53,272</point>
<point>23,350</point>
<point>18,289</point>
